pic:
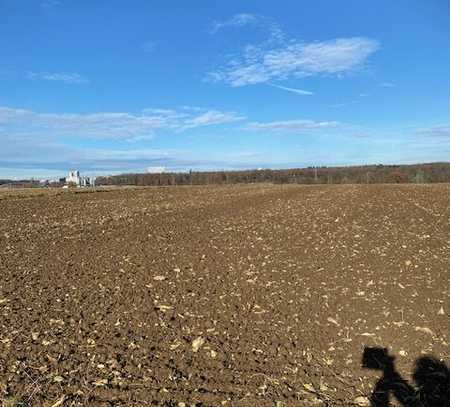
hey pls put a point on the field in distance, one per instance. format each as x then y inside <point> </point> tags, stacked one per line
<point>253,295</point>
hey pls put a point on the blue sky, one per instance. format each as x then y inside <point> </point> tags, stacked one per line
<point>118,86</point>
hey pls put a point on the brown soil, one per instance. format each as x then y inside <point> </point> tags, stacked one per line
<point>208,296</point>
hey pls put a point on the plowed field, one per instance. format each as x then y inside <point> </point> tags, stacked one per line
<point>219,296</point>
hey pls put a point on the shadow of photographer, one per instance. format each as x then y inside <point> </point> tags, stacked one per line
<point>431,377</point>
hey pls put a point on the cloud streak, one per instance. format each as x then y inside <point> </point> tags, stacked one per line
<point>70,78</point>
<point>387,85</point>
<point>290,126</point>
<point>211,117</point>
<point>344,104</point>
<point>438,131</point>
<point>293,90</point>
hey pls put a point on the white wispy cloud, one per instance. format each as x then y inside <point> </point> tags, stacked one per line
<point>293,90</point>
<point>193,108</point>
<point>350,102</point>
<point>438,131</point>
<point>279,59</point>
<point>238,20</point>
<point>263,23</point>
<point>71,78</point>
<point>292,125</point>
<point>387,85</point>
<point>164,114</point>
<point>345,104</point>
<point>107,125</point>
<point>211,117</point>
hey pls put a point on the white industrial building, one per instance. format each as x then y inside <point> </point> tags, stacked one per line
<point>75,178</point>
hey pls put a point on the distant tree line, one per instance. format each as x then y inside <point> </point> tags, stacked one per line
<point>24,183</point>
<point>371,174</point>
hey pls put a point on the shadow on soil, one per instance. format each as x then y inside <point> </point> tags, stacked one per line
<point>431,377</point>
